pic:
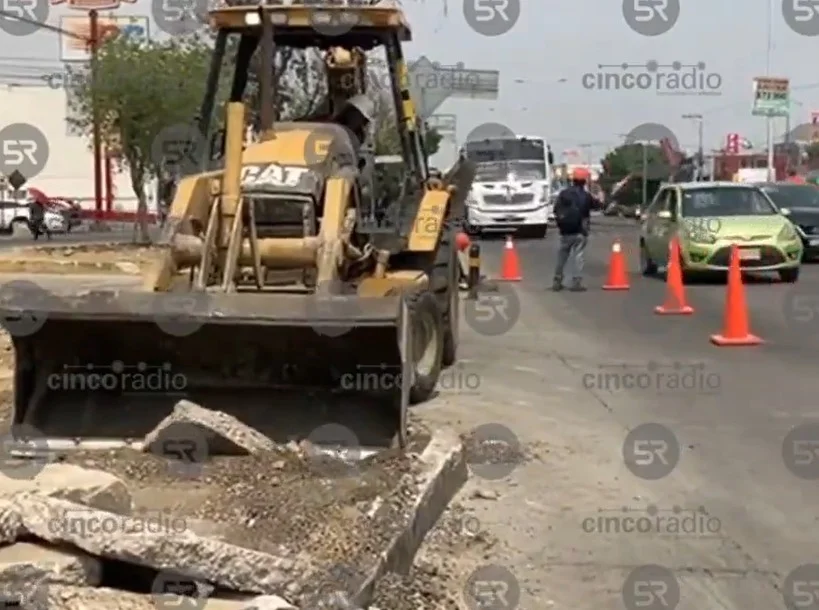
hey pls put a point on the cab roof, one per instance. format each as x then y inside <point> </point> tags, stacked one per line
<point>316,24</point>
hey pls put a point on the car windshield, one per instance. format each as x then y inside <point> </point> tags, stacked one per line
<point>793,195</point>
<point>726,201</point>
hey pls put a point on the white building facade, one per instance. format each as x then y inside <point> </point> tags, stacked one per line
<point>34,68</point>
<point>69,168</point>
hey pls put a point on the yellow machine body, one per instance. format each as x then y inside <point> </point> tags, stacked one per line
<point>265,299</point>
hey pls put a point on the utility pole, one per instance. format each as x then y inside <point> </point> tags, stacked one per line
<point>700,153</point>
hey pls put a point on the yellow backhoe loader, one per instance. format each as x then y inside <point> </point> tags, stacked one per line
<point>291,287</point>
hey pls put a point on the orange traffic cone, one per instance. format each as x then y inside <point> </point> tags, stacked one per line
<point>618,277</point>
<point>675,303</point>
<point>736,328</point>
<point>510,264</point>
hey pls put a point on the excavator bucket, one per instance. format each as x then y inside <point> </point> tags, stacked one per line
<point>102,369</point>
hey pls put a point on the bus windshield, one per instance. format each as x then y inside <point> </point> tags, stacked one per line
<point>501,159</point>
<point>521,149</point>
<point>501,171</point>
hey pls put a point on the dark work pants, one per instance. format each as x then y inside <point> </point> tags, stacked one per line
<point>38,227</point>
<point>574,247</point>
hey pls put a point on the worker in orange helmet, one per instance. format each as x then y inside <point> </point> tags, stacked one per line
<point>573,217</point>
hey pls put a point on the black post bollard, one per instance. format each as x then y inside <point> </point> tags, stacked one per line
<point>474,271</point>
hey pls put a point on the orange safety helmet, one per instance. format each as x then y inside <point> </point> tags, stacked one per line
<point>580,173</point>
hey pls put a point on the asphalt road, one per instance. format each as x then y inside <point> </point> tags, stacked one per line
<point>725,503</point>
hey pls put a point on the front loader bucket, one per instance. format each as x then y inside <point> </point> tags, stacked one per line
<point>104,368</point>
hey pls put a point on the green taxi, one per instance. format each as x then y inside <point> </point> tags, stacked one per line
<point>708,217</point>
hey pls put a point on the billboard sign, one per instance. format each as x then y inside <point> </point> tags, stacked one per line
<point>732,143</point>
<point>76,32</point>
<point>771,97</point>
<point>431,84</point>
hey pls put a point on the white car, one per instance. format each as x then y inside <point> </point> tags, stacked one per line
<point>14,217</point>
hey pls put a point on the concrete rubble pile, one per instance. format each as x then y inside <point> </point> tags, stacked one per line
<point>54,551</point>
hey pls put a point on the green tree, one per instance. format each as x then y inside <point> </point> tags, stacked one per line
<point>432,141</point>
<point>140,89</point>
<point>627,160</point>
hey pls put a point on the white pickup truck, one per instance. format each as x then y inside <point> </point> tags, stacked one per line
<point>14,217</point>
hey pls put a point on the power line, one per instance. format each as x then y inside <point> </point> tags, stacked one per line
<point>41,24</point>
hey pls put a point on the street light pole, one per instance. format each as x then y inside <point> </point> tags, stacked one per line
<point>96,132</point>
<point>645,174</point>
<point>700,152</point>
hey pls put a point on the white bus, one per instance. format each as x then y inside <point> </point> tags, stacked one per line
<point>513,185</point>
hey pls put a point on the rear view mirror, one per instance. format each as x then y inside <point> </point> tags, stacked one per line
<point>785,211</point>
<point>664,215</point>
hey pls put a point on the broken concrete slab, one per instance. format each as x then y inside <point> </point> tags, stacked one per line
<point>226,435</point>
<point>444,472</point>
<point>93,488</point>
<point>24,562</point>
<point>66,597</point>
<point>11,524</point>
<point>183,552</point>
<point>262,602</point>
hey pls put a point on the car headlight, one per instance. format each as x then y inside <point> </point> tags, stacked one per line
<point>701,237</point>
<point>472,201</point>
<point>788,233</point>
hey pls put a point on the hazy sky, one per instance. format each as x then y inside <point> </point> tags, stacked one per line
<point>544,57</point>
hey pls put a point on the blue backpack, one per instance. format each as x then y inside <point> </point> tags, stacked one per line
<point>569,217</point>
